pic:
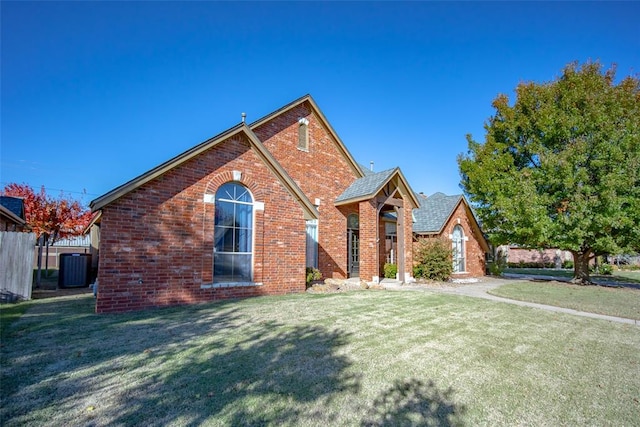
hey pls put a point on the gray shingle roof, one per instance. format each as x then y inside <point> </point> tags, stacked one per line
<point>14,204</point>
<point>368,185</point>
<point>433,212</point>
<point>365,170</point>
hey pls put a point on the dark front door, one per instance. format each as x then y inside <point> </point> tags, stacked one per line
<point>353,253</point>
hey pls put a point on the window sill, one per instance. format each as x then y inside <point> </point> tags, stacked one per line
<point>229,285</point>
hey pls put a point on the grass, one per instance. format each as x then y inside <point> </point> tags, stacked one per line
<point>9,313</point>
<point>368,358</point>
<point>632,276</point>
<point>620,302</point>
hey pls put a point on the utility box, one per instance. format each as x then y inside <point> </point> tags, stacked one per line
<point>75,270</point>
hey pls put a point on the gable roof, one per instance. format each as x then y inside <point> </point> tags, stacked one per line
<point>310,211</point>
<point>309,100</point>
<point>369,185</point>
<point>434,212</point>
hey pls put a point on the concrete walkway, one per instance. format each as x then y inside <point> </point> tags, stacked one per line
<point>481,288</point>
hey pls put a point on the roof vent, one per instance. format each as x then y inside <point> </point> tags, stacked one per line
<point>244,116</point>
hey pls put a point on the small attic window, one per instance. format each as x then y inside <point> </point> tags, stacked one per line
<point>303,134</point>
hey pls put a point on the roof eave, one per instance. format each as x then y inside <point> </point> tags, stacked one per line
<point>10,215</point>
<point>163,168</point>
<point>310,212</point>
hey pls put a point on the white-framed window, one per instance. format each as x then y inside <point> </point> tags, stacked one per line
<point>233,240</point>
<point>312,243</point>
<point>457,242</point>
<point>303,134</point>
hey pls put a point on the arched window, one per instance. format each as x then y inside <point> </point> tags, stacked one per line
<point>233,249</point>
<point>458,249</point>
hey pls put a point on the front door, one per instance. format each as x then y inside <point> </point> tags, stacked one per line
<point>353,253</point>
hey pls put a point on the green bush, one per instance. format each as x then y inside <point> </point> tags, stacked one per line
<point>313,274</point>
<point>497,266</point>
<point>568,265</point>
<point>433,259</point>
<point>494,268</point>
<point>390,271</point>
<point>606,269</point>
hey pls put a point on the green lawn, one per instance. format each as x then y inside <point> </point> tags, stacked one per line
<point>620,302</point>
<point>367,358</point>
<point>633,276</point>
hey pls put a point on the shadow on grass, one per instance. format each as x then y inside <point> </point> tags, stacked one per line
<point>415,403</point>
<point>181,365</point>
<point>220,363</point>
<point>566,276</point>
<point>263,379</point>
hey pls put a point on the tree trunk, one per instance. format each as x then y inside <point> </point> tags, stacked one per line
<point>581,268</point>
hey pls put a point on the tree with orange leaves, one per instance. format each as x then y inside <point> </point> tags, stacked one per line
<point>49,218</point>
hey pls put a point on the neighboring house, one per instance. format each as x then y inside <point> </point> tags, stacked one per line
<point>12,217</point>
<point>451,218</point>
<point>245,212</point>
<point>514,254</point>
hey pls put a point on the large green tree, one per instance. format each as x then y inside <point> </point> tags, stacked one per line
<point>560,168</point>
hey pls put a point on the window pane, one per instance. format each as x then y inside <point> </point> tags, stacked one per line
<point>226,191</point>
<point>243,215</point>
<point>242,268</point>
<point>243,240</point>
<point>242,194</point>
<point>224,239</point>
<point>224,214</point>
<point>222,266</point>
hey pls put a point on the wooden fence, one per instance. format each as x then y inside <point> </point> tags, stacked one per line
<point>16,265</point>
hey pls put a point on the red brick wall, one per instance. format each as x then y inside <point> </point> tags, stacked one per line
<point>544,256</point>
<point>322,173</point>
<point>474,254</point>
<point>368,234</point>
<point>6,225</point>
<point>156,244</point>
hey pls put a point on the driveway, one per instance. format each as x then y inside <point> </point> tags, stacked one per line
<point>481,288</point>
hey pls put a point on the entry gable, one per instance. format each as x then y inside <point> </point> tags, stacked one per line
<point>310,211</point>
<point>371,185</point>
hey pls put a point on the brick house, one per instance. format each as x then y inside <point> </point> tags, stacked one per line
<point>245,212</point>
<point>450,217</point>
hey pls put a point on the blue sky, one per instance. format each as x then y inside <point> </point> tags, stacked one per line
<point>94,94</point>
